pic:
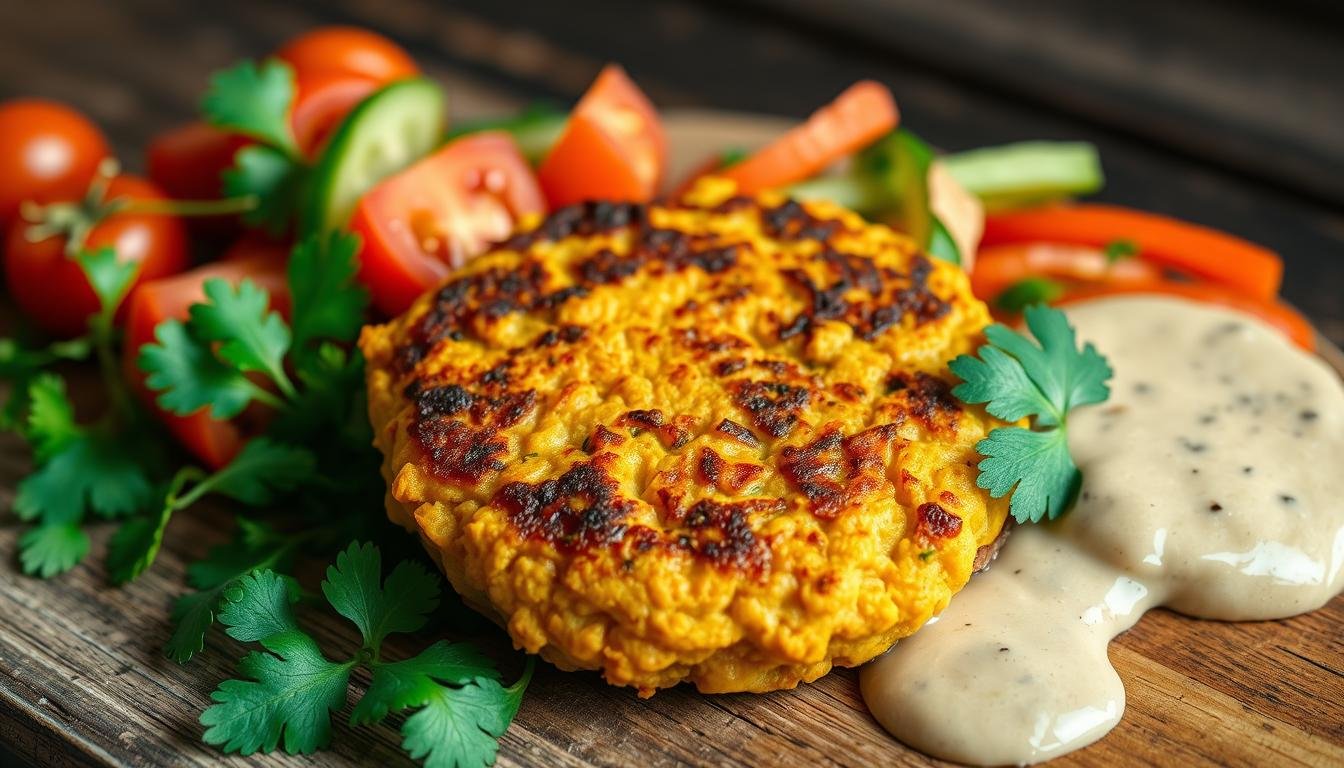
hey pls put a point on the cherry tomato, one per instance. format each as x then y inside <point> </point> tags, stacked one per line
<point>321,102</point>
<point>188,162</point>
<point>422,223</point>
<point>349,51</point>
<point>50,287</point>
<point>48,152</point>
<point>212,441</point>
<point>613,147</point>
<point>255,244</point>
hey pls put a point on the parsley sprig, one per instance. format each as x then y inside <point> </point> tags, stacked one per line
<point>105,468</point>
<point>256,100</point>
<point>1042,380</point>
<point>289,691</point>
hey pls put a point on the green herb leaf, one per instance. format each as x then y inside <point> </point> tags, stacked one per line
<point>353,588</point>
<point>52,548</point>
<point>255,101</point>
<point>1119,250</point>
<point>257,606</point>
<point>413,682</point>
<point>254,546</point>
<point>289,692</point>
<point>328,303</point>
<point>1017,379</point>
<point>263,468</point>
<point>188,376</point>
<point>93,471</point>
<point>251,336</point>
<point>1026,292</point>
<point>460,727</point>
<point>273,178</point>
<point>134,546</point>
<point>1034,466</point>
<point>109,277</point>
<point>51,417</point>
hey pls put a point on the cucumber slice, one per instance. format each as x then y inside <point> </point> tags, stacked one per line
<point>1029,172</point>
<point>388,131</point>
<point>535,130</point>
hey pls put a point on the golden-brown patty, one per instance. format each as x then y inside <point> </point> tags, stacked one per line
<point>709,442</point>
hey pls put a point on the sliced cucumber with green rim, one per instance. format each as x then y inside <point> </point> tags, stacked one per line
<point>386,133</point>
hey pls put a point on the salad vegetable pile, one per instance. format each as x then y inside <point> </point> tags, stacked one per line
<point>325,187</point>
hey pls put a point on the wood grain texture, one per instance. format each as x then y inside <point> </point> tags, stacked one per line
<point>82,677</point>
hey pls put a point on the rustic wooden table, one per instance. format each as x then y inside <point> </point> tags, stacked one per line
<point>1218,113</point>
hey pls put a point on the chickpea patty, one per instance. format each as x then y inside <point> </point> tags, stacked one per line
<point>708,441</point>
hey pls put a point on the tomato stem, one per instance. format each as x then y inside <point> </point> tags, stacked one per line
<point>189,208</point>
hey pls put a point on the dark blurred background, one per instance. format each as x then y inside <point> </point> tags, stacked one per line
<point>1226,113</point>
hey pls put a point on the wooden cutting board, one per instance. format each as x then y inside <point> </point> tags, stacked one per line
<point>83,680</point>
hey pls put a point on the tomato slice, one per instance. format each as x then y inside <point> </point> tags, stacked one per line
<point>188,162</point>
<point>212,441</point>
<point>1275,313</point>
<point>860,115</point>
<point>1001,267</point>
<point>613,147</point>
<point>420,224</point>
<point>321,101</point>
<point>1189,248</point>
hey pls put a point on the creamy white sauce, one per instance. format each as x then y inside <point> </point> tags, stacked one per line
<point>1211,485</point>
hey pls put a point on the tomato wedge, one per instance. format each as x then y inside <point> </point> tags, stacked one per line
<point>321,101</point>
<point>212,441</point>
<point>422,223</point>
<point>860,115</point>
<point>1001,267</point>
<point>1275,313</point>
<point>613,147</point>
<point>1189,248</point>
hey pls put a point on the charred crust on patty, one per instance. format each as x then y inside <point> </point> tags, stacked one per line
<point>580,510</point>
<point>835,472</point>
<point>935,522</point>
<point>774,406</point>
<point>739,433</point>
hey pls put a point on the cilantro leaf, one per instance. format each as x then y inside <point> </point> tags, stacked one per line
<point>1034,466</point>
<point>94,471</point>
<point>132,549</point>
<point>255,101</point>
<point>51,417</point>
<point>1017,379</point>
<point>251,336</point>
<point>460,727</point>
<point>257,607</point>
<point>1001,382</point>
<point>290,691</point>
<point>188,376</point>
<point>109,277</point>
<point>328,302</point>
<point>52,548</point>
<point>261,469</point>
<point>353,588</point>
<point>273,178</point>
<point>414,681</point>
<point>254,546</point>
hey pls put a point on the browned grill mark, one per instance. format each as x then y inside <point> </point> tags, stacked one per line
<point>721,533</point>
<point>457,452</point>
<point>862,298</point>
<point>936,522</point>
<point>602,439</point>
<point>774,407</point>
<point>792,221</point>
<point>580,510</point>
<point>674,433</point>
<point>739,433</point>
<point>924,397</point>
<point>835,472</point>
<point>568,334</point>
